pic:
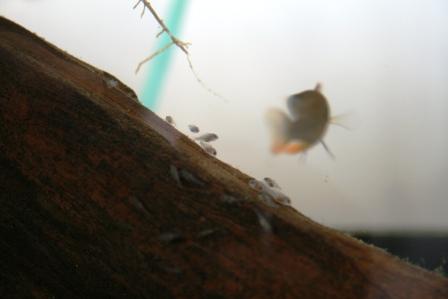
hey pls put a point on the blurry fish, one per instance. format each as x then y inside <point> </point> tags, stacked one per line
<point>190,178</point>
<point>271,183</point>
<point>306,124</point>
<point>175,174</point>
<point>264,222</point>
<point>266,191</point>
<point>193,128</point>
<point>208,148</point>
<point>111,83</point>
<point>170,120</point>
<point>207,137</point>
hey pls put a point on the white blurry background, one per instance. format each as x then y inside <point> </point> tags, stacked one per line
<point>383,62</point>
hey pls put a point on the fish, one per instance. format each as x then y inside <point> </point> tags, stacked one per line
<point>169,119</point>
<point>264,222</point>
<point>267,192</point>
<point>193,128</point>
<point>271,183</point>
<point>208,148</point>
<point>175,175</point>
<point>304,126</point>
<point>207,137</point>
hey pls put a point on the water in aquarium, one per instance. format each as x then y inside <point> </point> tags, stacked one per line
<point>337,108</point>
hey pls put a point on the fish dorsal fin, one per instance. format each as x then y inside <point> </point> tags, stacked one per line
<point>318,87</point>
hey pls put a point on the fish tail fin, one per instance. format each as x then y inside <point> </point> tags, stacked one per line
<point>279,125</point>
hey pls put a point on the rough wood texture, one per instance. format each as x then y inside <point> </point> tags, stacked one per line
<point>90,207</point>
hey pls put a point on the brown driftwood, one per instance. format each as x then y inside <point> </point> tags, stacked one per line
<point>99,198</point>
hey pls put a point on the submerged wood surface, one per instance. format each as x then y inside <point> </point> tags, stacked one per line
<point>90,204</point>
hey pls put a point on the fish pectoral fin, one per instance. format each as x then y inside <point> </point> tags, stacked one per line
<point>292,147</point>
<point>327,149</point>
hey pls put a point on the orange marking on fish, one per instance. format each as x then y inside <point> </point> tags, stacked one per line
<point>289,148</point>
<point>294,147</point>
